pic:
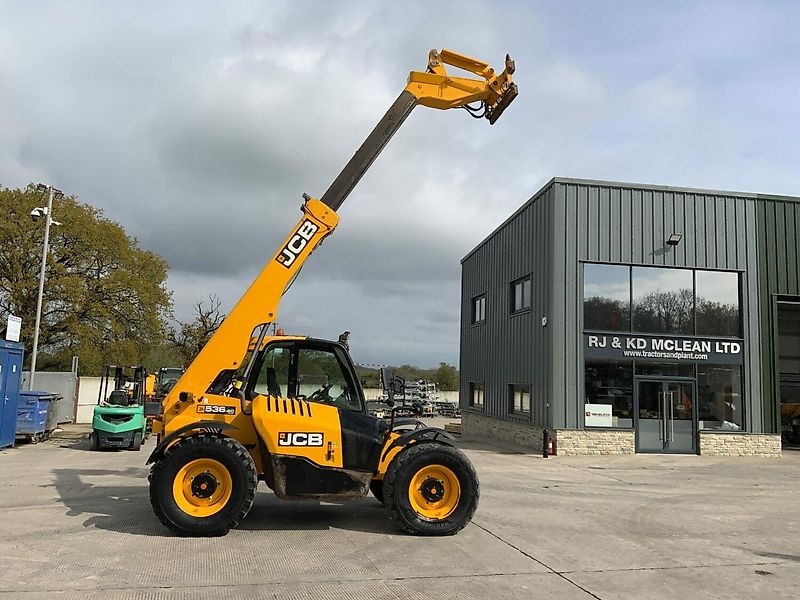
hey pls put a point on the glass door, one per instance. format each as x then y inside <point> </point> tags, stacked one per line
<point>665,416</point>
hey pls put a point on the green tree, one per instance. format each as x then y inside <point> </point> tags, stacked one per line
<point>445,377</point>
<point>105,298</point>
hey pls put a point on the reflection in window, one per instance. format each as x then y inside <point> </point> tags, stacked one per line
<point>519,399</point>
<point>673,369</point>
<point>663,300</point>
<point>521,295</point>
<point>606,297</point>
<point>717,303</point>
<point>273,377</point>
<point>479,309</point>
<point>789,365</point>
<point>611,383</point>
<point>719,392</point>
<point>322,378</point>
<point>476,395</point>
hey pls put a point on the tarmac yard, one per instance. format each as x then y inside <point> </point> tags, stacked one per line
<point>78,524</point>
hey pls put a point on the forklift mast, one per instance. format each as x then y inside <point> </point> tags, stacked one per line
<point>221,360</point>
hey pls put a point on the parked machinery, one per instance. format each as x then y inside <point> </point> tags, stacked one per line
<point>118,420</point>
<point>159,385</point>
<point>290,410</point>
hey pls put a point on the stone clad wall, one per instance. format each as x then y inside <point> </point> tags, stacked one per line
<point>477,426</point>
<point>569,442</point>
<point>576,442</point>
<point>740,444</point>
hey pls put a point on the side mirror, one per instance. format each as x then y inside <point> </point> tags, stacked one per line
<point>389,402</point>
<point>417,408</point>
<point>387,375</point>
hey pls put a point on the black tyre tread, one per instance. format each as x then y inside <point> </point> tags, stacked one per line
<point>239,451</point>
<point>397,466</point>
<point>376,487</point>
<point>136,442</point>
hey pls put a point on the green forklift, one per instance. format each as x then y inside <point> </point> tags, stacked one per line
<point>118,420</point>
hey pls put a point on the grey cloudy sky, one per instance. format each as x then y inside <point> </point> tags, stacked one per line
<point>197,125</point>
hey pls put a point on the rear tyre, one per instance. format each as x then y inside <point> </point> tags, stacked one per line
<point>431,489</point>
<point>136,443</point>
<point>376,487</point>
<point>203,486</point>
<point>94,441</point>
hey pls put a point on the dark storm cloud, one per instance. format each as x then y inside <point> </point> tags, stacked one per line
<point>199,125</point>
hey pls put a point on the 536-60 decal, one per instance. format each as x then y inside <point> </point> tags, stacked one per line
<point>215,409</point>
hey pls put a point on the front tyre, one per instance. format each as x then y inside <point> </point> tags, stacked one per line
<point>203,486</point>
<point>431,489</point>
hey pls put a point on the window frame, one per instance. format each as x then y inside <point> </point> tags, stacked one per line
<point>474,309</point>
<point>514,310</point>
<point>630,321</point>
<point>294,346</point>
<point>512,397</point>
<point>473,387</point>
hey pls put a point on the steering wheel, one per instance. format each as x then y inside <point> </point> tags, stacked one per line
<point>322,395</point>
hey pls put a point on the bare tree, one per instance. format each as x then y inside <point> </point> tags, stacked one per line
<point>189,338</point>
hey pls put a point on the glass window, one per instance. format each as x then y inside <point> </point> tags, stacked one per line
<point>663,300</point>
<point>521,295</point>
<point>609,388</point>
<point>719,392</point>
<point>788,338</point>
<point>519,399</point>
<point>273,377</point>
<point>606,297</point>
<point>717,303</point>
<point>665,369</point>
<point>479,309</point>
<point>476,394</point>
<point>322,378</point>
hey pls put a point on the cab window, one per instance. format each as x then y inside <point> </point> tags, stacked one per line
<point>273,377</point>
<point>322,378</point>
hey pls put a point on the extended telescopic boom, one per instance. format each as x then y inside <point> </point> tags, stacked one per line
<point>487,96</point>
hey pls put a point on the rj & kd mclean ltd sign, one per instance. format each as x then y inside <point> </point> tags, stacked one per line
<point>651,347</point>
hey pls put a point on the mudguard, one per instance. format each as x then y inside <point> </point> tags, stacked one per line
<point>207,426</point>
<point>427,434</point>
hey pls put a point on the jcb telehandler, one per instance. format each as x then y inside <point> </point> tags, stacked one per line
<point>290,410</point>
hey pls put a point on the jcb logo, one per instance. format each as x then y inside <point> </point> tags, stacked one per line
<point>297,243</point>
<point>299,439</point>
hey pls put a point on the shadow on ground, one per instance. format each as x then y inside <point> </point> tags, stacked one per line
<point>124,507</point>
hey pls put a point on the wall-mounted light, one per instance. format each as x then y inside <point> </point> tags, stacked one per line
<point>674,239</point>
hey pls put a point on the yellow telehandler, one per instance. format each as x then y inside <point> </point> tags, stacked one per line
<point>289,410</point>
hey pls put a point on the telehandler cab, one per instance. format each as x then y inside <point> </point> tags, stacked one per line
<point>290,410</point>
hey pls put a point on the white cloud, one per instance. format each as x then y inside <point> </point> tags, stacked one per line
<point>199,129</point>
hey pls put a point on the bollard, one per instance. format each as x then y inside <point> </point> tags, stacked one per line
<point>545,453</point>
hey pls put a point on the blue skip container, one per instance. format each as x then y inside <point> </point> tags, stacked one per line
<point>33,411</point>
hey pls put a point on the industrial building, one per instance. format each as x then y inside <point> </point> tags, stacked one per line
<point>635,318</point>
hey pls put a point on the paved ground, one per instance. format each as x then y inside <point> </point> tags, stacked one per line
<point>78,524</point>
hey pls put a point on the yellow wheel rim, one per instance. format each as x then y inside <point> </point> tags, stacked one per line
<point>434,492</point>
<point>202,487</point>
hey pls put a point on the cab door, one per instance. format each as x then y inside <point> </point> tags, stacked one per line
<point>326,375</point>
<point>310,411</point>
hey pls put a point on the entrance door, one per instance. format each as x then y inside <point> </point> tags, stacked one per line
<point>665,415</point>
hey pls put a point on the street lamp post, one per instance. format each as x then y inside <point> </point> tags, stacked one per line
<point>48,213</point>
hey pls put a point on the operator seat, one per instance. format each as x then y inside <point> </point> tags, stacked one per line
<point>272,383</point>
<point>118,398</point>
